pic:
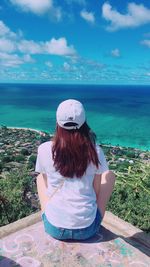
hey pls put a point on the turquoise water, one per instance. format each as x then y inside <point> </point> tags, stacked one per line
<point>119,115</point>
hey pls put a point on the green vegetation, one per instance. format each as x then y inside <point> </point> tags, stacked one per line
<point>131,197</point>
<point>18,148</point>
<point>18,196</point>
<point>14,201</point>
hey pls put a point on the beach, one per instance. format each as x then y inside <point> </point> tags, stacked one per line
<point>26,129</point>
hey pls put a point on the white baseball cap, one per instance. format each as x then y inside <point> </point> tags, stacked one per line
<point>70,114</point>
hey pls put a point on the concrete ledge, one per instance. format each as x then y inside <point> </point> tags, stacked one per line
<point>25,243</point>
<point>20,224</point>
<point>125,229</point>
<point>111,222</point>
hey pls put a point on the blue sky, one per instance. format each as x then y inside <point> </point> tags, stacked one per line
<point>75,41</point>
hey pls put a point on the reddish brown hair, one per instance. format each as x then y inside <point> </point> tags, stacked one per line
<point>73,150</point>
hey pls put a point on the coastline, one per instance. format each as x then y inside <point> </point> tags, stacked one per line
<point>42,133</point>
<point>26,129</point>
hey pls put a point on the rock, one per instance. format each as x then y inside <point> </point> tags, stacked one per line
<point>142,155</point>
<point>1,144</point>
<point>121,159</point>
<point>17,143</point>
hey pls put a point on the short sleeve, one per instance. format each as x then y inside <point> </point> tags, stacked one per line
<point>38,166</point>
<point>103,166</point>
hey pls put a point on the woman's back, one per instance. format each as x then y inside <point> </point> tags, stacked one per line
<point>74,203</point>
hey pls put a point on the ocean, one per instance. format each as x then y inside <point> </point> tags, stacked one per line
<point>119,115</point>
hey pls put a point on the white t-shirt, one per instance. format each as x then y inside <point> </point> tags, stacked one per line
<point>73,206</point>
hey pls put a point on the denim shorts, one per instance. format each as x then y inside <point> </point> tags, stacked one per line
<point>74,234</point>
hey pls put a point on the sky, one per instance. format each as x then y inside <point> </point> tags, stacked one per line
<point>75,41</point>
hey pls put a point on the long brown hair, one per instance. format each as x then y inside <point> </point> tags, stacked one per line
<point>73,150</point>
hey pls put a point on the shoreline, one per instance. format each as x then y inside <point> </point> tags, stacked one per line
<point>42,133</point>
<point>25,128</point>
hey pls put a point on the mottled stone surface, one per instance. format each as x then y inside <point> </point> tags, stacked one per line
<point>32,247</point>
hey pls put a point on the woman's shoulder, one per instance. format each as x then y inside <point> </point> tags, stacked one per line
<point>100,151</point>
<point>45,146</point>
<point>98,148</point>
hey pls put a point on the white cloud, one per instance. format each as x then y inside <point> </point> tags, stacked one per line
<point>91,64</point>
<point>49,64</point>
<point>148,74</point>
<point>28,59</point>
<point>14,60</point>
<point>30,47</point>
<point>54,46</point>
<point>115,52</point>
<point>7,45</point>
<point>10,60</point>
<point>136,15</point>
<point>56,12</point>
<point>15,50</point>
<point>36,6</point>
<point>88,16</point>
<point>66,66</point>
<point>39,7</point>
<point>5,31</point>
<point>59,47</point>
<point>146,42</point>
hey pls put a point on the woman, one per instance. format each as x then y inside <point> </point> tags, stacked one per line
<point>74,184</point>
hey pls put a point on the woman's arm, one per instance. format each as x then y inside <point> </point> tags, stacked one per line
<point>45,179</point>
<point>41,182</point>
<point>103,185</point>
